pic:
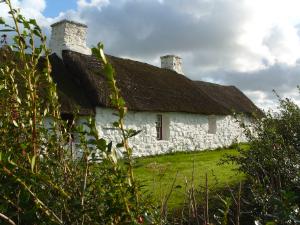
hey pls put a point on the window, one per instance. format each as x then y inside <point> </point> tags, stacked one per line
<point>212,124</point>
<point>162,127</point>
<point>158,127</point>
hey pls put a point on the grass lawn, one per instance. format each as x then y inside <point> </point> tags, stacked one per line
<point>157,173</point>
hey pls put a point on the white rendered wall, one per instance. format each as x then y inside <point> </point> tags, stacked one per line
<point>187,132</point>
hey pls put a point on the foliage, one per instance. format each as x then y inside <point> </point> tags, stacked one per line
<point>272,165</point>
<point>42,180</point>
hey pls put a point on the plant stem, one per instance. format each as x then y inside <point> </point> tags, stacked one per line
<point>206,200</point>
<point>238,207</point>
<point>7,219</point>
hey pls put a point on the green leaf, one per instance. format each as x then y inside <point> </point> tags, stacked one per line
<point>38,51</point>
<point>131,133</point>
<point>115,124</point>
<point>13,11</point>
<point>120,145</point>
<point>6,30</point>
<point>103,56</point>
<point>15,123</point>
<point>96,52</point>
<point>121,102</point>
<point>24,34</point>
<point>109,71</point>
<point>26,24</point>
<point>33,22</point>
<point>102,144</point>
<point>33,160</point>
<point>31,41</point>
<point>100,45</point>
<point>45,112</point>
<point>37,32</point>
<point>109,147</point>
<point>2,20</point>
<point>20,18</point>
<point>18,100</point>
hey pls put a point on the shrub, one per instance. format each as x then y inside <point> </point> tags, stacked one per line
<point>272,165</point>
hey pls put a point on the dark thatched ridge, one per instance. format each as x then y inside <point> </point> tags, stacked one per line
<point>81,83</point>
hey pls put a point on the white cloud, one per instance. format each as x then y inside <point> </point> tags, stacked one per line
<point>261,99</point>
<point>270,33</point>
<point>33,5</point>
<point>30,9</point>
<point>91,3</point>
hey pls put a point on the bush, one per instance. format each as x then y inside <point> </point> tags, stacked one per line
<point>272,165</point>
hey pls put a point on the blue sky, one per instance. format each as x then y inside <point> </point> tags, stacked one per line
<point>54,7</point>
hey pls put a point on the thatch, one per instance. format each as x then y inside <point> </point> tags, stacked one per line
<point>82,86</point>
<point>229,97</point>
<point>72,95</point>
<point>148,88</point>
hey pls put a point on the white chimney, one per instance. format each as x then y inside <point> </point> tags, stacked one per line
<point>171,62</point>
<point>69,35</point>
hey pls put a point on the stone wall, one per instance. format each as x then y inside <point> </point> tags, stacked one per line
<point>183,131</point>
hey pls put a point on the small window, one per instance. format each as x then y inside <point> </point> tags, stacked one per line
<point>212,124</point>
<point>158,127</point>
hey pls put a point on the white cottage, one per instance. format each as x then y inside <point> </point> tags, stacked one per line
<point>173,112</point>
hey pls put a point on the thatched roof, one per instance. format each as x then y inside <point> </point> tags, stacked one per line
<point>72,94</point>
<point>229,96</point>
<point>82,86</point>
<point>81,82</point>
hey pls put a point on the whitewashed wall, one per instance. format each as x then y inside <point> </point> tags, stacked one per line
<point>187,132</point>
<point>68,35</point>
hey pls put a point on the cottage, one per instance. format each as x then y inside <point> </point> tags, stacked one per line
<point>173,112</point>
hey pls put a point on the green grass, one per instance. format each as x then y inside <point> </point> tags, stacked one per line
<point>157,173</point>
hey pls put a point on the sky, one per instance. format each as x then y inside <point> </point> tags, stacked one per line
<point>54,7</point>
<point>252,44</point>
